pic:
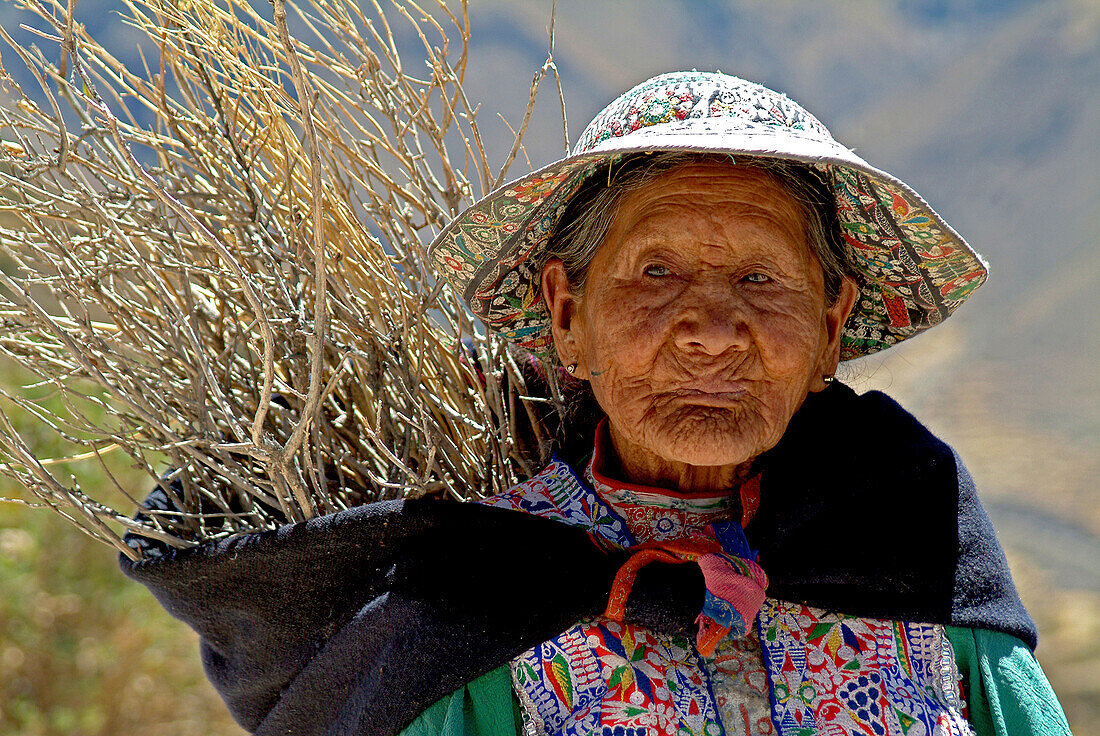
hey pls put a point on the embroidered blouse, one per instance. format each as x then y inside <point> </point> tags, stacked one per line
<point>736,668</point>
<point>799,668</point>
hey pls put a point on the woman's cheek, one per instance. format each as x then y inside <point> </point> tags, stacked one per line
<point>787,341</point>
<point>622,347</point>
<point>633,324</point>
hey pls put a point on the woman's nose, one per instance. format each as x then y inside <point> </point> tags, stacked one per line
<point>710,320</point>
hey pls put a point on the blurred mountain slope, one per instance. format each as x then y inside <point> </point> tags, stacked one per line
<point>989,109</point>
<point>1006,147</point>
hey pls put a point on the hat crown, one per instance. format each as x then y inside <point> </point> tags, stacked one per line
<point>677,100</point>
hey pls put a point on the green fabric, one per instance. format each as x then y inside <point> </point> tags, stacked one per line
<point>484,707</point>
<point>1008,694</point>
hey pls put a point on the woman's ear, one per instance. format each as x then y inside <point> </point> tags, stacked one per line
<point>562,304</point>
<point>835,318</point>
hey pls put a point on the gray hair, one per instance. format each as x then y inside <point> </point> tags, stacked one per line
<point>589,213</point>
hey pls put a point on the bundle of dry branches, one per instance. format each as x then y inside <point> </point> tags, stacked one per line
<point>236,294</point>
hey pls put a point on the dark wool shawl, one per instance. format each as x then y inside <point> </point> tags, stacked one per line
<point>354,623</point>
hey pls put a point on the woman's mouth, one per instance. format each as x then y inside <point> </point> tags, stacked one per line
<point>717,393</point>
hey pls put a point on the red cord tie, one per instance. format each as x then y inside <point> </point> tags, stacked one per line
<point>734,585</point>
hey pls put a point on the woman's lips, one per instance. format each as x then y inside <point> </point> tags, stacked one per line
<point>719,394</point>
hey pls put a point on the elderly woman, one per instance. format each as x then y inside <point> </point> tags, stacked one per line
<point>746,546</point>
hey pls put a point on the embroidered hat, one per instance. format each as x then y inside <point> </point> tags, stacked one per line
<point>912,268</point>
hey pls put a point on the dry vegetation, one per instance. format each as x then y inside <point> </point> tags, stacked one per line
<point>237,290</point>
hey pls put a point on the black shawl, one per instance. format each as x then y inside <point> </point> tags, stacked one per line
<point>355,622</point>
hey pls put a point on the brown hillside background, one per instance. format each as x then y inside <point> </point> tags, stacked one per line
<point>990,109</point>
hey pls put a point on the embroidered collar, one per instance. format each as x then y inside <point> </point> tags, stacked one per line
<point>659,513</point>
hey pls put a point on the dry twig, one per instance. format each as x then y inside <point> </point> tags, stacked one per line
<point>220,266</point>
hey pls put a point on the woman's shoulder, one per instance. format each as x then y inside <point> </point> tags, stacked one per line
<point>861,494</point>
<point>562,494</point>
<point>872,423</point>
<point>555,486</point>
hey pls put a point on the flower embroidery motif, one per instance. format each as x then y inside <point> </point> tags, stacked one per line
<point>535,190</point>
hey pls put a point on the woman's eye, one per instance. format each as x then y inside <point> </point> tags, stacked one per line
<point>657,271</point>
<point>757,278</point>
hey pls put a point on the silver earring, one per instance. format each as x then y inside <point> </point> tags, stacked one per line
<point>828,379</point>
<point>572,368</point>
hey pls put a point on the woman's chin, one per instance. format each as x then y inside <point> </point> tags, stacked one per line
<point>709,444</point>
<point>706,458</point>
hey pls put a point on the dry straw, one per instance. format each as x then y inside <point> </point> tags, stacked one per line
<point>235,295</point>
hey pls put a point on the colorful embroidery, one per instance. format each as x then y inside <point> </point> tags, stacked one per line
<point>840,674</point>
<point>736,668</point>
<point>913,278</point>
<point>739,680</point>
<point>602,677</point>
<point>556,493</point>
<point>658,517</point>
<point>828,673</point>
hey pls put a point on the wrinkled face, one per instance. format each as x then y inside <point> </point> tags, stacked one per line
<point>703,323</point>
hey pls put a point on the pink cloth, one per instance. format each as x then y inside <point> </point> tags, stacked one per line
<point>743,588</point>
